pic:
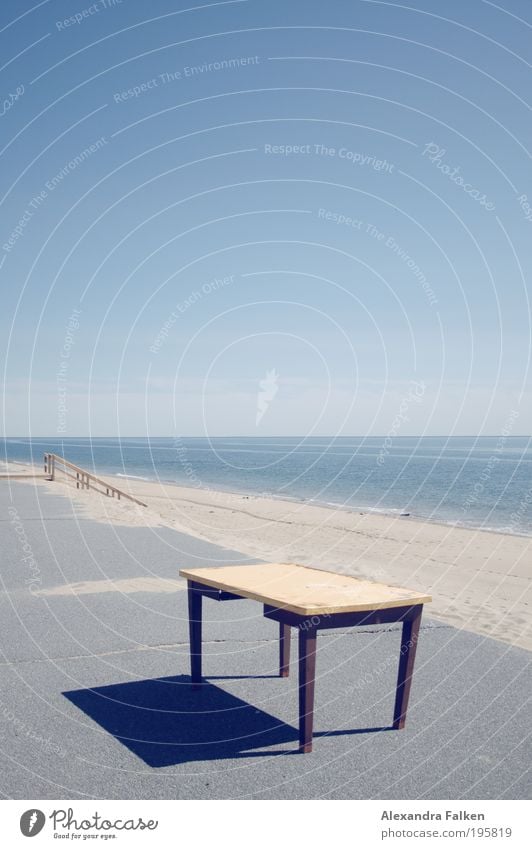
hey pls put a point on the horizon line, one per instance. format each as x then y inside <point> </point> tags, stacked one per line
<point>286,436</point>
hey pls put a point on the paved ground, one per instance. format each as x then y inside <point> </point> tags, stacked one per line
<point>95,700</point>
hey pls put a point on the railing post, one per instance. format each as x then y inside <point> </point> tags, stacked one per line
<point>49,465</point>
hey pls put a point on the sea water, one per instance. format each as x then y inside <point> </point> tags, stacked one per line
<point>481,482</point>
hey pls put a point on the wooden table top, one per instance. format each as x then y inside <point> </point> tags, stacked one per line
<point>304,590</point>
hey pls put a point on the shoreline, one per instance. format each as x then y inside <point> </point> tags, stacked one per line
<point>391,512</point>
<point>479,579</point>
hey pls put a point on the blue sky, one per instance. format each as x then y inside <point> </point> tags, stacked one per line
<point>332,194</point>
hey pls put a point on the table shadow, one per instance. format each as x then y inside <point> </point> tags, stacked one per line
<point>165,722</point>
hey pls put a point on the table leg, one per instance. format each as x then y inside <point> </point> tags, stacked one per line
<point>194,626</point>
<point>284,650</point>
<point>406,666</point>
<point>307,671</point>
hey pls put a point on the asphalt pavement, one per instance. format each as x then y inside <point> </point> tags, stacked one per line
<point>95,699</point>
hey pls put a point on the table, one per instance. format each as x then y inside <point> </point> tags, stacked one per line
<point>310,600</point>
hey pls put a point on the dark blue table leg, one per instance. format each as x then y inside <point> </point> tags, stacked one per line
<point>406,665</point>
<point>194,625</point>
<point>284,649</point>
<point>307,671</point>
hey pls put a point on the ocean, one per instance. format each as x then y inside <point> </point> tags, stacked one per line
<point>480,482</point>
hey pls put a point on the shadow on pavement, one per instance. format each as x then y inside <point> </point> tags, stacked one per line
<point>165,722</point>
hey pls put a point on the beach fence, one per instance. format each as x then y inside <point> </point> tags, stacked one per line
<point>84,479</point>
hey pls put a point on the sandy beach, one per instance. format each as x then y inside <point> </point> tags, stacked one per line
<point>479,580</point>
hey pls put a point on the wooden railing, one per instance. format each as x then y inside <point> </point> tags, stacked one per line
<point>83,478</point>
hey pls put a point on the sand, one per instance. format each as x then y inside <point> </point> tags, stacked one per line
<point>12,469</point>
<point>479,580</point>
